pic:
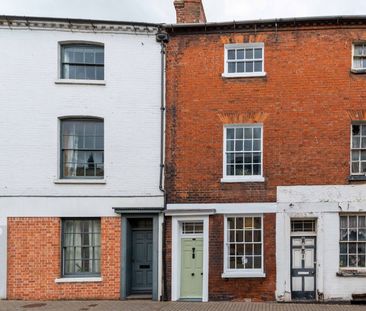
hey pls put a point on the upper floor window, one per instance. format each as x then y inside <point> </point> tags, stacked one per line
<point>358,149</point>
<point>352,241</point>
<point>82,148</point>
<point>359,57</point>
<point>82,62</point>
<point>243,160</point>
<point>244,60</point>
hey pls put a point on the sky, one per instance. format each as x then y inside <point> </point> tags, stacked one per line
<point>162,11</point>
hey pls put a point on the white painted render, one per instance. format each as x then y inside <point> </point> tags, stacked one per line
<point>32,101</point>
<point>226,208</point>
<point>324,203</point>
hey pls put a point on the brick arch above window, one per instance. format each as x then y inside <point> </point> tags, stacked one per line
<point>357,115</point>
<point>240,118</point>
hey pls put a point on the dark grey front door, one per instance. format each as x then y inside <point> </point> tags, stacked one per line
<point>303,263</point>
<point>142,261</point>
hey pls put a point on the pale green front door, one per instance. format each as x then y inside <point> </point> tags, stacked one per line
<point>191,268</point>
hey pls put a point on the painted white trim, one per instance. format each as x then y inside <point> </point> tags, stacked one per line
<point>79,280</point>
<point>237,274</point>
<point>235,178</point>
<point>80,82</point>
<point>176,250</point>
<point>229,208</point>
<point>160,254</point>
<point>72,206</point>
<point>228,179</point>
<point>226,74</point>
<point>80,181</point>
<point>242,273</point>
<point>3,257</point>
<point>244,75</point>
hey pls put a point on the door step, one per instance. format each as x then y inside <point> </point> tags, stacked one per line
<point>139,297</point>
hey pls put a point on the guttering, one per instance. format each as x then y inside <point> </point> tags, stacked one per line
<point>265,24</point>
<point>74,20</point>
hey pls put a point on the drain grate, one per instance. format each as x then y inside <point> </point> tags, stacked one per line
<point>34,305</point>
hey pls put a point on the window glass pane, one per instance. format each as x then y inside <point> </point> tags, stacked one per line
<point>239,157</point>
<point>238,145</point>
<point>258,53</point>
<point>89,57</point>
<point>248,145</point>
<point>239,133</point>
<point>258,66</point>
<point>249,53</point>
<point>231,67</point>
<point>230,145</point>
<point>100,73</point>
<point>256,132</point>
<point>248,157</point>
<point>248,133</point>
<point>240,54</point>
<point>230,158</point>
<point>231,54</point>
<point>256,169</point>
<point>239,170</point>
<point>355,167</point>
<point>249,66</point>
<point>99,57</point>
<point>230,170</point>
<point>229,133</point>
<point>356,155</point>
<point>256,145</point>
<point>240,67</point>
<point>358,50</point>
<point>90,73</point>
<point>355,130</point>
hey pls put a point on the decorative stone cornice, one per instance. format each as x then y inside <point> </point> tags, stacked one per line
<point>240,118</point>
<point>76,25</point>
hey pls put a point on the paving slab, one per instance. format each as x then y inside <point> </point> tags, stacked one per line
<point>142,305</point>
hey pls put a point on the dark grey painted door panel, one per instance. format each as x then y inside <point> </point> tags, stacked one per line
<point>303,263</point>
<point>142,261</point>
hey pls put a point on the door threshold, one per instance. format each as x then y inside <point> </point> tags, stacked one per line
<point>139,297</point>
<point>191,299</point>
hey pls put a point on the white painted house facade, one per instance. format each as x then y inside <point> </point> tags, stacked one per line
<point>323,227</point>
<point>80,135</point>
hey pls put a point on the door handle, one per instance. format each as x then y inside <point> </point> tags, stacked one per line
<point>192,274</point>
<point>201,273</point>
<point>193,253</point>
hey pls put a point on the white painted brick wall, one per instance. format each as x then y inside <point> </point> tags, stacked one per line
<point>31,102</point>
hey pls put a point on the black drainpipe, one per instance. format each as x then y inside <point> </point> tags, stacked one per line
<point>163,38</point>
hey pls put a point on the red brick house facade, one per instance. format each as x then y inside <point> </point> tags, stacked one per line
<point>298,84</point>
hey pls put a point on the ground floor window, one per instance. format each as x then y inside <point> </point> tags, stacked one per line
<point>352,241</point>
<point>81,247</point>
<point>244,243</point>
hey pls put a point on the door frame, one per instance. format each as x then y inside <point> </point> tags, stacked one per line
<point>125,277</point>
<point>176,254</point>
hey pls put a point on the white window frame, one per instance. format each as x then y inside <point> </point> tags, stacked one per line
<point>227,47</point>
<point>351,149</point>
<point>60,80</point>
<point>348,268</point>
<point>248,178</point>
<point>242,273</point>
<point>354,69</point>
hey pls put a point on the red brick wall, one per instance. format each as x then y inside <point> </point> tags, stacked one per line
<point>34,261</point>
<point>304,99</point>
<point>256,289</point>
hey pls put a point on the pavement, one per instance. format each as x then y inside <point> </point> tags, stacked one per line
<point>86,305</point>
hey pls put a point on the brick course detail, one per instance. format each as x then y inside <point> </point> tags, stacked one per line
<point>34,261</point>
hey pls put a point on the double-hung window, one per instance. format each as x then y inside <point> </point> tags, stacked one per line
<point>244,60</point>
<point>358,149</point>
<point>82,148</point>
<point>359,57</point>
<point>352,241</point>
<point>81,240</point>
<point>243,246</point>
<point>243,156</point>
<point>82,62</point>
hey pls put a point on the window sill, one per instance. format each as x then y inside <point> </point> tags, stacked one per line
<point>84,82</point>
<point>352,273</point>
<point>357,177</point>
<point>358,71</point>
<point>80,181</point>
<point>242,274</point>
<point>244,75</point>
<point>79,280</point>
<point>241,179</point>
